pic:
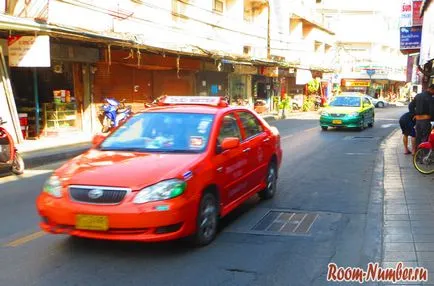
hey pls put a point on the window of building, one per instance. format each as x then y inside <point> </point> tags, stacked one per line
<point>219,6</point>
<point>247,50</point>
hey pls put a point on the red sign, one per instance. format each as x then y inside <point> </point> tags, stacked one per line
<point>406,8</point>
<point>417,21</point>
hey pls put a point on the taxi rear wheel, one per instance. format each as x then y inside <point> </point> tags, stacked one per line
<point>271,187</point>
<point>207,220</point>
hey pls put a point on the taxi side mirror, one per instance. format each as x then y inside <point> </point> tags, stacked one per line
<point>230,143</point>
<point>97,139</point>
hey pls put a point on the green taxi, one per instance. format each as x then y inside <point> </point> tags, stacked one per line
<point>350,111</point>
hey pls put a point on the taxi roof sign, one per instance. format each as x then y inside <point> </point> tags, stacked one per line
<point>200,100</point>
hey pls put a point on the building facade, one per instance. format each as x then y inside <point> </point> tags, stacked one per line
<point>245,50</point>
<point>368,51</point>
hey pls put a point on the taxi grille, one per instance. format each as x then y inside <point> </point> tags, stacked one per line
<point>97,195</point>
<point>337,115</point>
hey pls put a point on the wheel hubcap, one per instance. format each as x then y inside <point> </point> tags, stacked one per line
<point>271,180</point>
<point>209,219</point>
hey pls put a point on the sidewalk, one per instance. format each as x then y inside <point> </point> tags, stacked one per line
<point>408,223</point>
<point>49,150</point>
<point>292,115</point>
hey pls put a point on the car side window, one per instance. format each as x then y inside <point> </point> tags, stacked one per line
<point>366,101</point>
<point>250,124</point>
<point>229,128</point>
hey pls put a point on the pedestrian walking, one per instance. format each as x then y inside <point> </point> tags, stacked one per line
<point>407,124</point>
<point>424,102</point>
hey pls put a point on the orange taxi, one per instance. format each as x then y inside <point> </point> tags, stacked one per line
<point>169,172</point>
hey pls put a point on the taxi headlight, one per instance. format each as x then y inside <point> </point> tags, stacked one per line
<point>161,191</point>
<point>354,114</point>
<point>324,113</point>
<point>53,187</point>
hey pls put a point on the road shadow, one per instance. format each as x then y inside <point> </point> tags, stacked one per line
<point>76,245</point>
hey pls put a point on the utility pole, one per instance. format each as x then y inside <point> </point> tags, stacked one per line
<point>268,30</point>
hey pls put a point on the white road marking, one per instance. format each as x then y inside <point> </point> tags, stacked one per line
<point>388,125</point>
<point>303,131</point>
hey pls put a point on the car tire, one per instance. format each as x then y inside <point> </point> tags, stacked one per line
<point>371,124</point>
<point>324,128</point>
<point>271,182</point>
<point>380,104</point>
<point>207,220</point>
<point>362,125</point>
<point>18,164</point>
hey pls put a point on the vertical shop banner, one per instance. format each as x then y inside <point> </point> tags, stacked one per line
<point>410,37</point>
<point>417,20</point>
<point>410,64</point>
<point>406,14</point>
<point>427,45</point>
<point>29,51</point>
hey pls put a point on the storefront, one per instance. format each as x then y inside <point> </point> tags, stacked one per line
<point>141,78</point>
<point>53,98</point>
<point>240,83</point>
<point>266,86</point>
<point>212,80</point>
<point>355,85</point>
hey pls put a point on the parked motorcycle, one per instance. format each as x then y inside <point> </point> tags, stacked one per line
<point>423,159</point>
<point>10,159</point>
<point>113,113</point>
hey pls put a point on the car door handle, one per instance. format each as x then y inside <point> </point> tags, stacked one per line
<point>246,150</point>
<point>266,139</point>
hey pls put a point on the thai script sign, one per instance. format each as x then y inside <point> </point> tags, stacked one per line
<point>410,37</point>
<point>29,51</point>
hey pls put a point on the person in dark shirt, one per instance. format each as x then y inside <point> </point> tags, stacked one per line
<point>424,104</point>
<point>407,124</point>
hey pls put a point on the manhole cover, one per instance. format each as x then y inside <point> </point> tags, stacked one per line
<point>286,222</point>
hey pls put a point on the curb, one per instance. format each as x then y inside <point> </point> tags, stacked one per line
<point>373,248</point>
<point>39,158</point>
<point>270,118</point>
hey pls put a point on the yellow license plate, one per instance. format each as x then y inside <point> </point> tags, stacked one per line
<point>91,222</point>
<point>337,121</point>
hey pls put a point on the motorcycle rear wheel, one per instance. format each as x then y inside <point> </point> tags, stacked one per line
<point>421,163</point>
<point>17,165</point>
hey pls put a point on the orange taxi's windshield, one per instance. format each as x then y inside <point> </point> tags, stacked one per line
<point>162,132</point>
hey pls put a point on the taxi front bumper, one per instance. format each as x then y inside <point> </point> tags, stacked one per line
<point>153,221</point>
<point>345,121</point>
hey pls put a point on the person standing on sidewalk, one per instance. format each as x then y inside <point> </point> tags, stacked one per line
<point>407,122</point>
<point>424,108</point>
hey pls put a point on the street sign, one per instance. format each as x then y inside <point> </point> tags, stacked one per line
<point>410,37</point>
<point>29,51</point>
<point>370,72</point>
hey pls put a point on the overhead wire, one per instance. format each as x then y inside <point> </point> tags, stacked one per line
<point>174,28</point>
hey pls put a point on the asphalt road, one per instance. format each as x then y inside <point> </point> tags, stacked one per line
<point>329,175</point>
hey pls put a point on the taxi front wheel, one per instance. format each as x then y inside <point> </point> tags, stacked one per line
<point>271,187</point>
<point>207,220</point>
